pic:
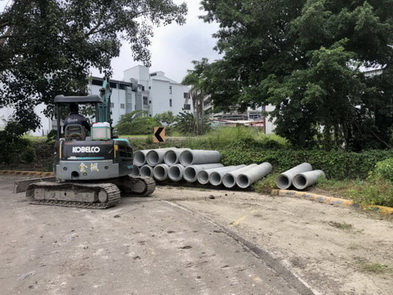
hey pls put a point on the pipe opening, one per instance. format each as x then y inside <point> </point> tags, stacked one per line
<point>139,159</point>
<point>186,158</point>
<point>203,177</point>
<point>300,181</point>
<point>229,181</point>
<point>152,158</point>
<point>135,171</point>
<point>146,171</point>
<point>159,173</point>
<point>190,174</point>
<point>242,181</point>
<point>174,173</point>
<point>170,158</point>
<point>215,178</point>
<point>283,182</point>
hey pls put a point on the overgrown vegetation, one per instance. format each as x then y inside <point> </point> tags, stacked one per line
<point>364,177</point>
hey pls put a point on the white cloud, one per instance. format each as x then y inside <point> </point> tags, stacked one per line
<point>174,47</point>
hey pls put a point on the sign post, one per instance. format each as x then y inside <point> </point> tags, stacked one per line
<point>159,135</point>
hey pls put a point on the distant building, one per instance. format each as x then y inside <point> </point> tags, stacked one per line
<point>253,117</point>
<point>140,90</point>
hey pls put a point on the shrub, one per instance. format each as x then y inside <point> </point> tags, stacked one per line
<point>383,170</point>
<point>376,192</point>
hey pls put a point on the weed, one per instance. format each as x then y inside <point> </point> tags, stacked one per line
<point>376,268</point>
<point>266,184</point>
<point>340,225</point>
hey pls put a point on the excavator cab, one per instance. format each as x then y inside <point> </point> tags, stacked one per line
<point>75,132</point>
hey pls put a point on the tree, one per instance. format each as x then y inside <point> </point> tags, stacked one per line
<point>305,57</point>
<point>47,47</point>
<point>165,119</point>
<point>196,79</point>
<point>136,123</point>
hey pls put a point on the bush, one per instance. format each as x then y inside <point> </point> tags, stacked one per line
<point>375,192</point>
<point>136,123</point>
<point>383,170</point>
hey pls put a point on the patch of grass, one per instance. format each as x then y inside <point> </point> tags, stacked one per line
<point>35,139</point>
<point>266,184</point>
<point>376,268</point>
<point>341,225</point>
<point>373,192</point>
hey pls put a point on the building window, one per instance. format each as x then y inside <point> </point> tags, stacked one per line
<point>145,101</point>
<point>112,105</point>
<point>185,94</point>
<point>122,106</point>
<point>170,102</point>
<point>170,89</point>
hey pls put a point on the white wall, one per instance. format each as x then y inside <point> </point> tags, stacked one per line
<point>269,125</point>
<point>6,114</point>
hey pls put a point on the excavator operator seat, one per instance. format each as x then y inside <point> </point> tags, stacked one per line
<point>75,132</point>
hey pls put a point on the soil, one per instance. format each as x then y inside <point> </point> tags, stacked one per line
<point>334,250</point>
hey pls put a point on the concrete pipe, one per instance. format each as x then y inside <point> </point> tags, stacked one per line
<point>156,156</point>
<point>146,170</point>
<point>215,177</point>
<point>203,176</point>
<point>192,157</point>
<point>191,172</point>
<point>284,180</point>
<point>248,177</point>
<point>229,179</point>
<point>135,171</point>
<point>171,157</point>
<point>160,172</point>
<point>140,157</point>
<point>175,172</point>
<point>306,179</point>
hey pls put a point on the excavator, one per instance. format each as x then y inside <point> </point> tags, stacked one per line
<point>91,170</point>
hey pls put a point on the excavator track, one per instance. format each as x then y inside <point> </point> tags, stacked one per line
<point>139,186</point>
<point>79,195</point>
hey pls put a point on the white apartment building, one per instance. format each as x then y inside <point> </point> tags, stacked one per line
<point>139,90</point>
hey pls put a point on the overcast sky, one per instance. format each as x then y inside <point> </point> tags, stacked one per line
<point>173,47</point>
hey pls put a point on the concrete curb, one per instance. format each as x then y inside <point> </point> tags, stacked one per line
<point>331,201</point>
<point>27,173</point>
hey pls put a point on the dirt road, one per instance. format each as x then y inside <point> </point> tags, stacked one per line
<point>335,250</point>
<point>193,241</point>
<point>142,246</point>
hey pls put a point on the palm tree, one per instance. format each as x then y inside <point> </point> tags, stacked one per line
<point>195,79</point>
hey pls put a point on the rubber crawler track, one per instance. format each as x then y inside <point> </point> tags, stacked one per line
<point>112,191</point>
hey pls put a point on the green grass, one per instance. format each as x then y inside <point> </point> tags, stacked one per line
<point>375,268</point>
<point>340,225</point>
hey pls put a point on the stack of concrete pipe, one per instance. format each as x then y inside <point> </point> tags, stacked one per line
<point>196,165</point>
<point>300,176</point>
